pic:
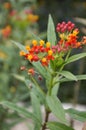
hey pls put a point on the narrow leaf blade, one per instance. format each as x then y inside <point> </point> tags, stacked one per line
<point>68,75</point>
<point>51,35</point>
<point>20,46</point>
<point>76,114</point>
<point>79,77</point>
<point>75,57</point>
<point>56,107</point>
<point>58,126</point>
<point>20,110</point>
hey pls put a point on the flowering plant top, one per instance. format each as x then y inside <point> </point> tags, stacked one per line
<point>44,52</point>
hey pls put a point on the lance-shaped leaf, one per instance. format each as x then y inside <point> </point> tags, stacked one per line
<point>56,107</point>
<point>20,46</point>
<point>68,75</point>
<point>36,106</point>
<point>58,126</point>
<point>21,110</point>
<point>55,89</point>
<point>79,77</point>
<point>51,35</point>
<point>75,57</point>
<point>76,114</point>
<point>36,110</point>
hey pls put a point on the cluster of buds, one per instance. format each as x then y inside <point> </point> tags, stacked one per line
<point>64,27</point>
<point>68,37</point>
<point>39,51</point>
<point>31,71</point>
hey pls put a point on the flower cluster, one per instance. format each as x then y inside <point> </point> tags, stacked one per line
<point>44,52</point>
<point>39,51</point>
<point>32,17</point>
<point>6,31</point>
<point>68,37</point>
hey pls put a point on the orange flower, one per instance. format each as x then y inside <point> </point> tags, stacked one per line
<point>34,42</point>
<point>7,5</point>
<point>31,71</point>
<point>27,47</point>
<point>41,42</point>
<point>6,31</point>
<point>22,53</point>
<point>30,57</point>
<point>50,52</point>
<point>44,61</point>
<point>32,17</point>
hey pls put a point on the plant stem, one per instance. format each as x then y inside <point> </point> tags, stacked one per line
<point>46,119</point>
<point>37,85</point>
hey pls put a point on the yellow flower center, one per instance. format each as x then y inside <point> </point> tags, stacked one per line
<point>50,52</point>
<point>34,42</point>
<point>41,42</point>
<point>27,47</point>
<point>44,59</point>
<point>48,44</point>
<point>22,53</point>
<point>30,57</point>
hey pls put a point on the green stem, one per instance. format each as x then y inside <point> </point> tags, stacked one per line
<point>50,87</point>
<point>37,85</point>
<point>65,60</point>
<point>68,55</point>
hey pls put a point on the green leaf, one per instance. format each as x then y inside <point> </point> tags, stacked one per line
<point>36,110</point>
<point>19,77</point>
<point>79,77</point>
<point>35,36</point>
<point>75,57</point>
<point>56,107</point>
<point>36,106</point>
<point>20,46</point>
<point>68,75</point>
<point>78,115</point>
<point>58,126</point>
<point>51,35</point>
<point>55,89</point>
<point>20,110</point>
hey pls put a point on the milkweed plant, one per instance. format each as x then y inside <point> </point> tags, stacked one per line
<point>48,59</point>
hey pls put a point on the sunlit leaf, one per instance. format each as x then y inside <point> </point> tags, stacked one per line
<point>51,35</point>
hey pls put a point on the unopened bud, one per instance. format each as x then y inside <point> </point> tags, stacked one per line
<point>22,68</point>
<point>40,77</point>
